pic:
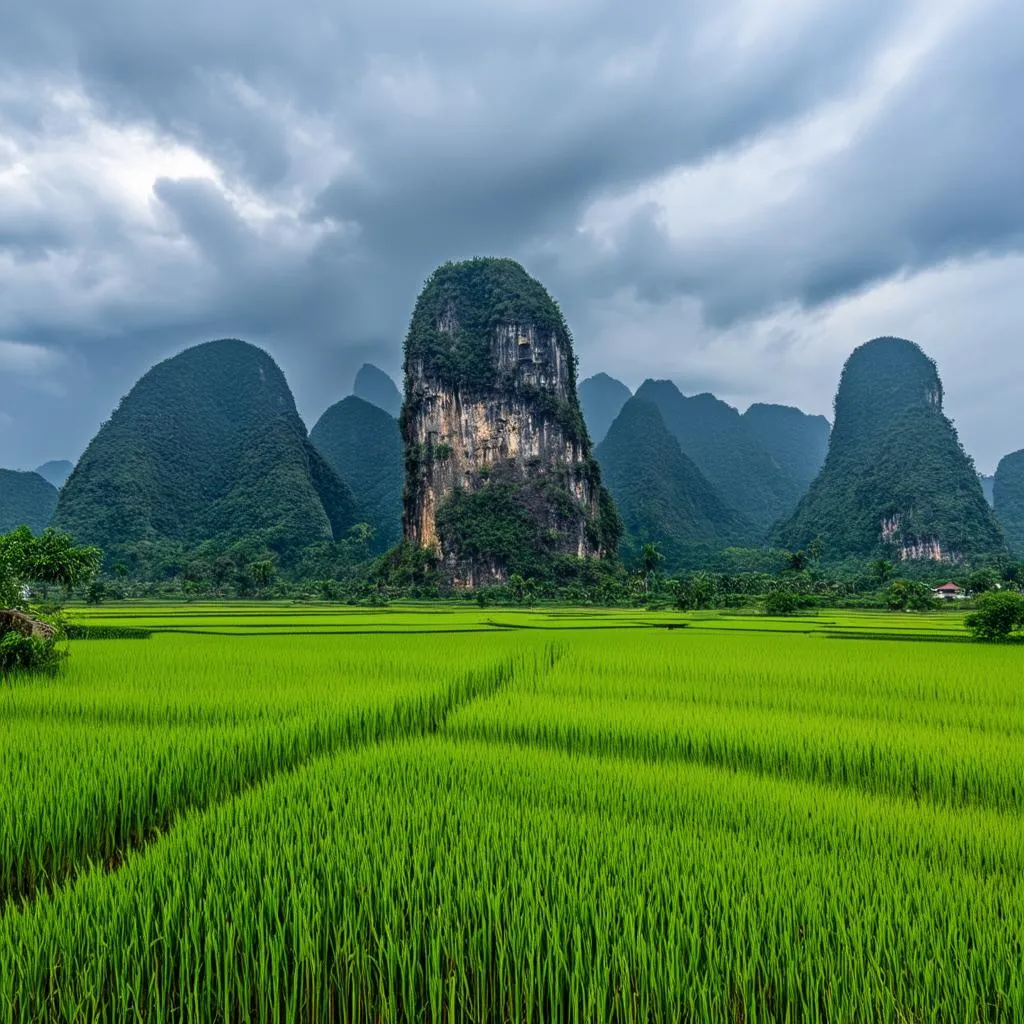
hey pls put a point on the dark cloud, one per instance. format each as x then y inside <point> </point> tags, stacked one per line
<point>333,154</point>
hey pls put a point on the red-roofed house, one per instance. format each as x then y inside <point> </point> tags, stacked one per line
<point>949,591</point>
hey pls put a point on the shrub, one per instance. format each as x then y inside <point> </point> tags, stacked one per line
<point>998,614</point>
<point>781,602</point>
<point>20,653</point>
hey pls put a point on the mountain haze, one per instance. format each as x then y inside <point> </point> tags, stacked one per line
<point>56,471</point>
<point>364,445</point>
<point>601,399</point>
<point>207,446</point>
<point>373,385</point>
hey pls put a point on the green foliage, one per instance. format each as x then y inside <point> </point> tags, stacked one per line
<point>206,448</point>
<point>1008,496</point>
<point>661,495</point>
<point>51,558</point>
<point>26,499</point>
<point>909,595</point>
<point>28,654</point>
<point>475,298</point>
<point>894,458</point>
<point>781,602</point>
<point>364,446</point>
<point>998,615</point>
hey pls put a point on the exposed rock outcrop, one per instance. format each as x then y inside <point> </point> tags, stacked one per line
<point>499,472</point>
<point>896,482</point>
<point>13,621</point>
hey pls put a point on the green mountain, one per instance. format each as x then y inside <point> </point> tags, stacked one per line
<point>797,441</point>
<point>26,499</point>
<point>601,399</point>
<point>662,497</point>
<point>207,446</point>
<point>500,479</point>
<point>56,472</point>
<point>716,438</point>
<point>1008,495</point>
<point>373,385</point>
<point>896,482</point>
<point>364,445</point>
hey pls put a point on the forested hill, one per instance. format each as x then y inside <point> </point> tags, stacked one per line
<point>1008,495</point>
<point>601,399</point>
<point>373,385</point>
<point>661,495</point>
<point>26,499</point>
<point>896,482</point>
<point>363,443</point>
<point>796,440</point>
<point>716,438</point>
<point>207,446</point>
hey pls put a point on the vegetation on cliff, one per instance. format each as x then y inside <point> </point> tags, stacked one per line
<point>26,499</point>
<point>364,445</point>
<point>206,448</point>
<point>896,480</point>
<point>458,312</point>
<point>715,436</point>
<point>1008,495</point>
<point>662,497</point>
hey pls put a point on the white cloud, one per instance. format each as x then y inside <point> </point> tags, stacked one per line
<point>30,360</point>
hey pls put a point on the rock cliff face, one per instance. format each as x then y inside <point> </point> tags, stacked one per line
<point>499,472</point>
<point>896,482</point>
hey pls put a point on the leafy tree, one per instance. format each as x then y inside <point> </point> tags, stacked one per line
<point>262,573</point>
<point>998,615</point>
<point>983,580</point>
<point>781,602</point>
<point>52,557</point>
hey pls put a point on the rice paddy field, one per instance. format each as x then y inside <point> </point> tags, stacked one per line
<point>221,813</point>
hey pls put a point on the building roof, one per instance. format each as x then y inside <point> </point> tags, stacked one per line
<point>949,587</point>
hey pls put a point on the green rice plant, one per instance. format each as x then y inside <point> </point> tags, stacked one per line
<point>437,880</point>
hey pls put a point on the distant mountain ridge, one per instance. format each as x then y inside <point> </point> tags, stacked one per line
<point>661,495</point>
<point>56,471</point>
<point>601,399</point>
<point>896,482</point>
<point>207,446</point>
<point>796,440</point>
<point>714,435</point>
<point>364,445</point>
<point>373,385</point>
<point>26,499</point>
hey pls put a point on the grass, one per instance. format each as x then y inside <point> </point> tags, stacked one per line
<point>422,814</point>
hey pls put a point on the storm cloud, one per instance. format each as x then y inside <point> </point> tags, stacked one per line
<point>733,194</point>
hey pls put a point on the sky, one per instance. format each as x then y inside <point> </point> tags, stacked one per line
<point>729,193</point>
